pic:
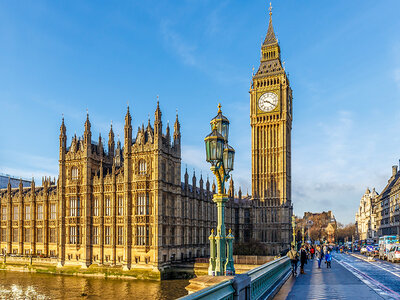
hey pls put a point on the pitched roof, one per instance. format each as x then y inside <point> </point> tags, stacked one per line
<point>391,183</point>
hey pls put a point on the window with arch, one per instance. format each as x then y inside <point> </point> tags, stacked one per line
<point>142,167</point>
<point>142,207</point>
<point>74,173</point>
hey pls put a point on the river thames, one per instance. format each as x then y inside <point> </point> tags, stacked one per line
<point>20,285</point>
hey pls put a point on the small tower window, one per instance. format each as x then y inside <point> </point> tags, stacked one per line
<point>74,173</point>
<point>142,167</point>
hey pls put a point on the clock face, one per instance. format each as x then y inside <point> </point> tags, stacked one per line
<point>268,101</point>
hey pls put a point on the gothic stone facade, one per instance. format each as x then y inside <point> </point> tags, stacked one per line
<point>126,206</point>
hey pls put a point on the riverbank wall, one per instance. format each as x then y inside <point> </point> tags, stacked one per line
<point>176,270</point>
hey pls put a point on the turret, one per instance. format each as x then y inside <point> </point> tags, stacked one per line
<point>240,193</point>
<point>168,135</point>
<point>186,179</point>
<point>63,137</point>
<point>9,186</point>
<point>118,155</point>
<point>194,183</point>
<point>33,186</point>
<point>177,131</point>
<point>128,132</point>
<point>231,191</point>
<point>111,144</point>
<point>201,182</point>
<point>88,134</point>
<point>208,184</point>
<point>201,186</point>
<point>20,186</point>
<point>213,187</point>
<point>157,121</point>
<point>101,150</point>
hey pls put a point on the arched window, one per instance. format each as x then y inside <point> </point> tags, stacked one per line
<point>142,167</point>
<point>74,173</point>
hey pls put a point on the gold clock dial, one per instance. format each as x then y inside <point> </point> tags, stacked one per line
<point>268,102</point>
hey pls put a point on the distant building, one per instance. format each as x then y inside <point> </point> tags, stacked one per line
<point>387,206</point>
<point>365,216</point>
<point>14,181</point>
<point>318,226</point>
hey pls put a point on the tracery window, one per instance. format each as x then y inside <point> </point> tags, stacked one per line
<point>27,212</point>
<point>120,206</point>
<point>107,207</point>
<point>74,173</point>
<point>163,171</point>
<point>27,235</point>
<point>39,235</point>
<point>74,207</point>
<point>4,213</point>
<point>142,167</point>
<point>53,211</point>
<point>73,234</point>
<point>120,235</point>
<point>15,212</point>
<point>15,234</point>
<point>96,207</point>
<point>52,238</point>
<point>142,207</point>
<point>95,235</point>
<point>142,235</point>
<point>3,234</point>
<point>107,235</point>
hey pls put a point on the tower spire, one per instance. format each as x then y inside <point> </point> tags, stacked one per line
<point>270,38</point>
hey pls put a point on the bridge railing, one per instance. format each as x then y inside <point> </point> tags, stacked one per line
<point>259,283</point>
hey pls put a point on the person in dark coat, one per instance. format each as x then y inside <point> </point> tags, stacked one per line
<point>303,259</point>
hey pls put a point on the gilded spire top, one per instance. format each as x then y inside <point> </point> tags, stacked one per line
<point>219,108</point>
<point>270,9</point>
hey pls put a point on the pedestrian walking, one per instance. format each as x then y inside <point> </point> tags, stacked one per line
<point>303,259</point>
<point>312,251</point>
<point>328,258</point>
<point>320,255</point>
<point>294,257</point>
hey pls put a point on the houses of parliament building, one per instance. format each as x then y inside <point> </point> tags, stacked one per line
<point>126,205</point>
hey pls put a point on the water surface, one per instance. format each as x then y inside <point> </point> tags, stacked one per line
<point>20,285</point>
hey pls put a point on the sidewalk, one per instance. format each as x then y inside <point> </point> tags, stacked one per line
<point>335,283</point>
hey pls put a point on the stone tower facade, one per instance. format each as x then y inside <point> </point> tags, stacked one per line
<point>271,124</point>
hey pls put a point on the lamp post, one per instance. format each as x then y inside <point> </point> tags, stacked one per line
<point>294,230</point>
<point>302,235</point>
<point>221,156</point>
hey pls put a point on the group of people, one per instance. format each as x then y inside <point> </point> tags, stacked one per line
<point>308,252</point>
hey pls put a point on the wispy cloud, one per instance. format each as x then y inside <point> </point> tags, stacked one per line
<point>181,47</point>
<point>31,166</point>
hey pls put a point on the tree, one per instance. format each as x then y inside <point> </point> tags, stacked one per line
<point>345,232</point>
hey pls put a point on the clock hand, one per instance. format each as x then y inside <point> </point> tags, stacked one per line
<point>269,102</point>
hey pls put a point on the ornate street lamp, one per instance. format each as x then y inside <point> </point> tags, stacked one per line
<point>221,156</point>
<point>294,230</point>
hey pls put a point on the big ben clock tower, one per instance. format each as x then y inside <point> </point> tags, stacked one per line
<point>271,125</point>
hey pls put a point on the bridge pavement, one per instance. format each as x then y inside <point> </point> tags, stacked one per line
<point>339,282</point>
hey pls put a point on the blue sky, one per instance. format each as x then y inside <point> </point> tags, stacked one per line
<point>343,58</point>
